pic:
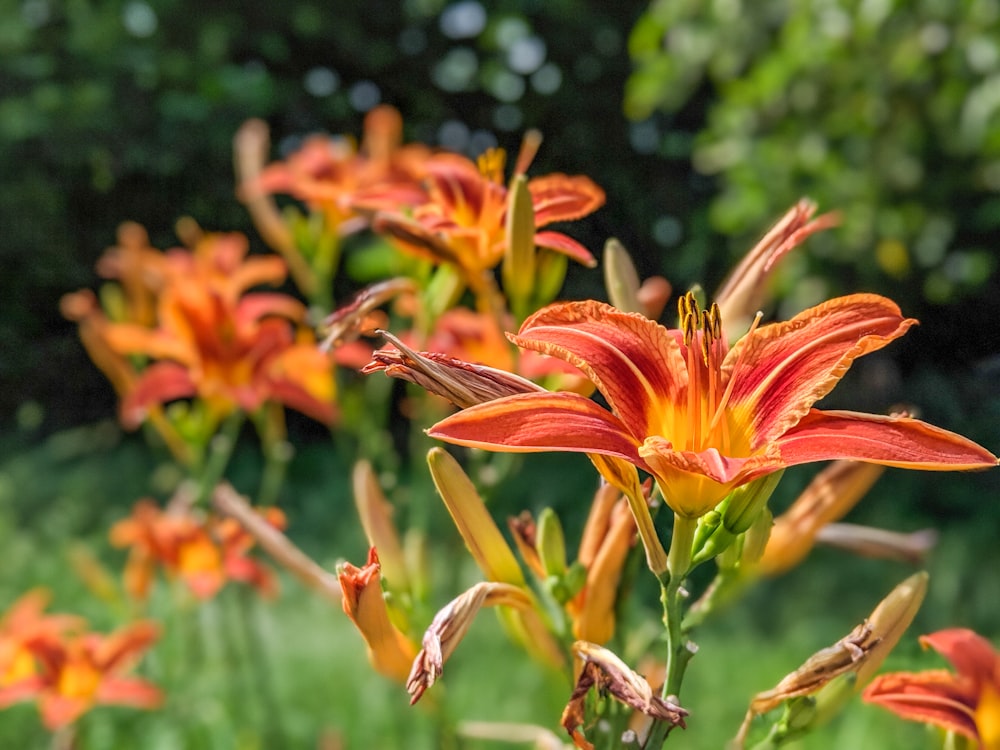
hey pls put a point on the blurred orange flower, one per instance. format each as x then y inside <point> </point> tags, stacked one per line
<point>966,702</point>
<point>76,672</point>
<point>234,350</point>
<point>204,553</point>
<point>25,624</point>
<point>464,220</point>
<point>336,177</point>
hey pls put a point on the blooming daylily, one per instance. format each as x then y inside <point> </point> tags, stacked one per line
<point>233,350</point>
<point>336,177</point>
<point>464,220</point>
<point>204,553</point>
<point>80,671</point>
<point>703,418</point>
<point>25,624</point>
<point>966,702</point>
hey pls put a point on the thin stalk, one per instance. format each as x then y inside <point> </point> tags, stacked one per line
<point>671,596</point>
<point>220,451</point>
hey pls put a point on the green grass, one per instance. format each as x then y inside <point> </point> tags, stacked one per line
<point>242,673</point>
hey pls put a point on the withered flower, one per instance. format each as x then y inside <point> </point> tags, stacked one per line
<point>450,625</point>
<point>610,675</point>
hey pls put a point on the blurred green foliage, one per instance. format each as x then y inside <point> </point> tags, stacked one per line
<point>887,112</point>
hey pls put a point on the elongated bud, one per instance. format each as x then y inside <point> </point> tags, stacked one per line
<point>620,277</point>
<point>477,527</point>
<point>710,538</point>
<point>755,538</point>
<point>745,502</point>
<point>827,498</point>
<point>550,543</point>
<point>550,273</point>
<point>882,544</point>
<point>376,519</point>
<point>519,255</point>
<point>890,619</point>
<point>524,531</point>
<point>856,656</point>
<point>625,477</point>
<point>595,620</point>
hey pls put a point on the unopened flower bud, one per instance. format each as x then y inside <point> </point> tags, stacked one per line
<point>550,543</point>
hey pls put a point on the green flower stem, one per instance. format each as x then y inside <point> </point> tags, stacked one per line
<point>219,452</point>
<point>671,596</point>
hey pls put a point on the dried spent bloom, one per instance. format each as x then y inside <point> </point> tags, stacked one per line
<point>611,676</point>
<point>450,625</point>
<point>78,671</point>
<point>704,419</point>
<point>861,652</point>
<point>966,701</point>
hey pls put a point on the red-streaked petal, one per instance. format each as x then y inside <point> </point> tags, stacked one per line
<point>782,369</point>
<point>159,383</point>
<point>972,655</point>
<point>560,197</point>
<point>632,360</point>
<point>892,441</point>
<point>567,246</point>
<point>534,422</point>
<point>932,697</point>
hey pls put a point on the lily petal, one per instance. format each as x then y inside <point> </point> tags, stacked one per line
<point>560,197</point>
<point>782,369</point>
<point>535,422</point>
<point>159,383</point>
<point>632,360</point>
<point>932,697</point>
<point>567,246</point>
<point>972,655</point>
<point>892,441</point>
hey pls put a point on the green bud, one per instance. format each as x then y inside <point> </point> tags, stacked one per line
<point>550,273</point>
<point>620,277</point>
<point>550,543</point>
<point>575,579</point>
<point>755,538</point>
<point>443,290</point>
<point>519,255</point>
<point>745,502</point>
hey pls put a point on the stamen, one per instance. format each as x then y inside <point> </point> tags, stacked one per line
<point>732,379</point>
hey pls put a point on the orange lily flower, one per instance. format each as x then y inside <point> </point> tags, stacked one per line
<point>25,624</point>
<point>203,553</point>
<point>79,672</point>
<point>966,702</point>
<point>464,220</point>
<point>702,418</point>
<point>335,177</point>
<point>231,349</point>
